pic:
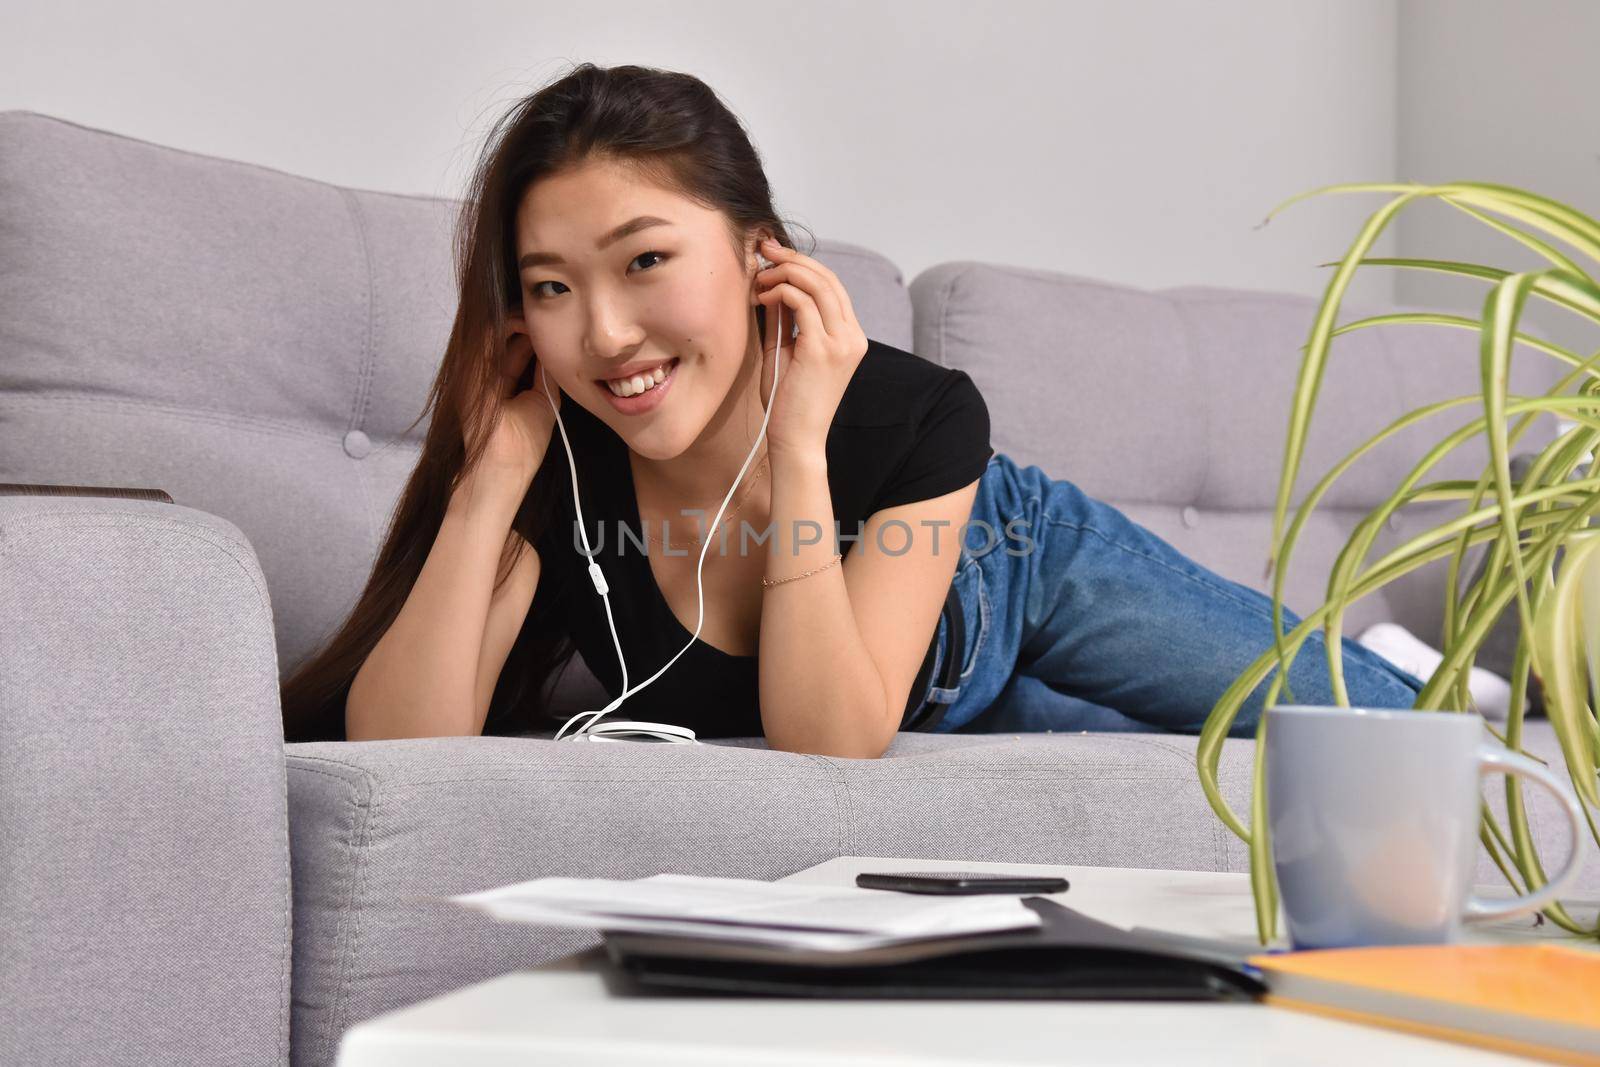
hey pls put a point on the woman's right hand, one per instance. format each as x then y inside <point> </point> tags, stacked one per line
<point>522,434</point>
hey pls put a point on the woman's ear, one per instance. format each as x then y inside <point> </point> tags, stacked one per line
<point>756,261</point>
<point>761,263</point>
<point>517,356</point>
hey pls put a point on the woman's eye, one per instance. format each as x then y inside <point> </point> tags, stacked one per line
<point>660,256</point>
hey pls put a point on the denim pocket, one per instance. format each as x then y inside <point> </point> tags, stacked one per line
<point>970,587</point>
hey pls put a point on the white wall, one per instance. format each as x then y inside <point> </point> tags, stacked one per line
<point>1135,140</point>
<point>1497,92</point>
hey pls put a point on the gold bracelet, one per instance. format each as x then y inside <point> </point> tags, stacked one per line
<point>779,581</point>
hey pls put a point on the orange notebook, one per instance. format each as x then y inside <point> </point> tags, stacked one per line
<point>1538,1000</point>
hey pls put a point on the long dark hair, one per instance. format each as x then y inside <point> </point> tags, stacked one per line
<point>668,125</point>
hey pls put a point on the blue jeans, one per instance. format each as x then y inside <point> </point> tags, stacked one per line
<point>1078,618</point>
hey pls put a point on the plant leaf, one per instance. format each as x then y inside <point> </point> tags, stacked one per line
<point>1558,655</point>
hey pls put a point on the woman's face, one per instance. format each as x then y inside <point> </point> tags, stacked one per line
<point>674,295</point>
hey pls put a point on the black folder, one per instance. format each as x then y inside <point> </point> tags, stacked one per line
<point>1069,957</point>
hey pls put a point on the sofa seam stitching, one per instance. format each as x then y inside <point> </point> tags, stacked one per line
<point>367,512</point>
<point>246,164</point>
<point>833,782</point>
<point>91,520</point>
<point>956,277</point>
<point>348,909</point>
<point>845,832</point>
<point>544,779</point>
<point>358,770</point>
<point>1399,384</point>
<point>1219,832</point>
<point>358,405</point>
<point>357,901</point>
<point>944,314</point>
<point>1218,835</point>
<point>231,420</point>
<point>344,911</point>
<point>898,778</point>
<point>361,402</point>
<point>1205,407</point>
<point>286,962</point>
<point>1065,774</point>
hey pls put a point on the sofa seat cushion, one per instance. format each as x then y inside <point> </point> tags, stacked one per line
<point>383,830</point>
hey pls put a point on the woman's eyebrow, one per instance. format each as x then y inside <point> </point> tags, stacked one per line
<point>632,226</point>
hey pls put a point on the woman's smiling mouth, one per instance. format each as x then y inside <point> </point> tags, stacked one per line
<point>640,392</point>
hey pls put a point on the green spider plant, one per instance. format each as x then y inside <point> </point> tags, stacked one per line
<point>1523,524</point>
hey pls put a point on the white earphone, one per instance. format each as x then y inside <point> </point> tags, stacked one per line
<point>653,730</point>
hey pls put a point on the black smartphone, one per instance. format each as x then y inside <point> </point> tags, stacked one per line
<point>960,882</point>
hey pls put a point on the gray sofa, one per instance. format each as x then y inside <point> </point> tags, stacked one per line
<point>179,886</point>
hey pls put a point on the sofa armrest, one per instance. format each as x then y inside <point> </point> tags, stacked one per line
<point>144,885</point>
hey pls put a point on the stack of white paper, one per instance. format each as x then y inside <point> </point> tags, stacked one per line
<point>743,909</point>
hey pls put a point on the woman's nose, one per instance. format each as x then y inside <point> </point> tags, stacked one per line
<point>611,331</point>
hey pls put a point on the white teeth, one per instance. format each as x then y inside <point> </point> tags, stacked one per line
<point>640,383</point>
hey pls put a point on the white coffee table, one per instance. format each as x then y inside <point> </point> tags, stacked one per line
<point>577,1011</point>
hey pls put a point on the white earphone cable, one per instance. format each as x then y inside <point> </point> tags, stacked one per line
<point>597,577</point>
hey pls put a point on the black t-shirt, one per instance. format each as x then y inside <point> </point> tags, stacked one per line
<point>906,429</point>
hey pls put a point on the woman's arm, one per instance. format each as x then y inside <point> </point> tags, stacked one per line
<point>840,649</point>
<point>432,672</point>
<point>508,609</point>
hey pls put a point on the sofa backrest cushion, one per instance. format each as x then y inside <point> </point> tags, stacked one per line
<point>1174,405</point>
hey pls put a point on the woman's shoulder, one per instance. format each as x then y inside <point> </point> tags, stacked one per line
<point>891,386</point>
<point>906,429</point>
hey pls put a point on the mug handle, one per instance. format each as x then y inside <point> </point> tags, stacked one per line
<point>1492,758</point>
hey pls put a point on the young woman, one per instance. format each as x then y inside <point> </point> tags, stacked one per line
<point>877,567</point>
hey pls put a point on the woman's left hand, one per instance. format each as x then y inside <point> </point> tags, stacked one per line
<point>819,363</point>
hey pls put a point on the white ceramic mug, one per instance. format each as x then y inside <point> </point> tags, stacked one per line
<point>1374,816</point>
